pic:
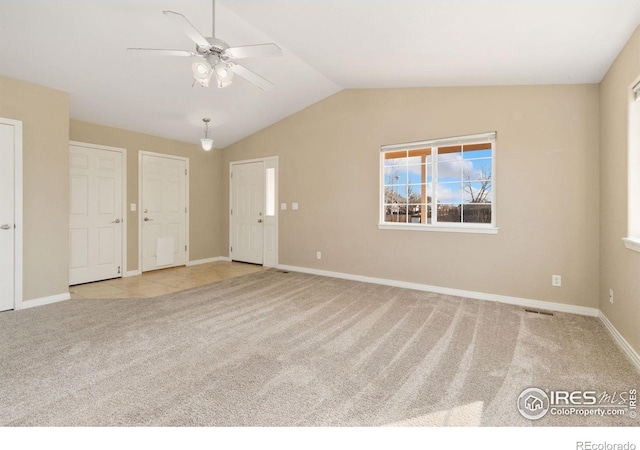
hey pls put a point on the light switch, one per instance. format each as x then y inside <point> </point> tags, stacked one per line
<point>294,206</point>
<point>283,206</point>
<point>133,207</point>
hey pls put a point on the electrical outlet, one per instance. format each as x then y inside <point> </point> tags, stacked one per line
<point>611,296</point>
<point>556,280</point>
<point>318,255</point>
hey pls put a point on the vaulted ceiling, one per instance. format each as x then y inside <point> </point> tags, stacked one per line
<point>79,46</point>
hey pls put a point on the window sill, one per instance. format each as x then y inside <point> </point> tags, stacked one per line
<point>632,244</point>
<point>440,228</point>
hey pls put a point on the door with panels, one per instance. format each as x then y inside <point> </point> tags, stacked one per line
<point>95,213</point>
<point>10,248</point>
<point>253,219</point>
<point>247,212</point>
<point>163,206</point>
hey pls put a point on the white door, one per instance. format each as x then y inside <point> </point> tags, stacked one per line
<point>95,214</point>
<point>163,206</point>
<point>7,216</point>
<point>247,212</point>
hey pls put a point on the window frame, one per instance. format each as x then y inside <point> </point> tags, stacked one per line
<point>435,144</point>
<point>632,240</point>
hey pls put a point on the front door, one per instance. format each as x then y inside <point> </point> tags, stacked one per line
<point>163,204</point>
<point>95,213</point>
<point>7,216</point>
<point>247,212</point>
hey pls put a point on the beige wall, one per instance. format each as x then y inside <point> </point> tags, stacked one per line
<point>619,266</point>
<point>561,188</point>
<point>46,134</point>
<point>546,188</point>
<point>205,184</point>
<point>44,114</point>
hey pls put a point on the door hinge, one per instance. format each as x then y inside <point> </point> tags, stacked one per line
<point>118,270</point>
<point>185,171</point>
<point>232,211</point>
<point>185,248</point>
<point>231,174</point>
<point>231,249</point>
<point>185,209</point>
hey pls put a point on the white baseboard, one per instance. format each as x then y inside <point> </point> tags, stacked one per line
<point>525,302</point>
<point>132,273</point>
<point>208,260</point>
<point>621,341</point>
<point>43,301</point>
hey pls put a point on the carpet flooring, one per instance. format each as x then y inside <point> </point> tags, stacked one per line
<point>291,349</point>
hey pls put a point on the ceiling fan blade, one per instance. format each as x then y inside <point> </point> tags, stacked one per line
<point>252,77</point>
<point>187,28</point>
<point>159,51</point>
<point>253,51</point>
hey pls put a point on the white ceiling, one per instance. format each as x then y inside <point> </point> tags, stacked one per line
<point>79,46</point>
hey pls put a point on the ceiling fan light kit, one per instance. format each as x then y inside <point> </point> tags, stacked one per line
<point>224,74</point>
<point>201,72</point>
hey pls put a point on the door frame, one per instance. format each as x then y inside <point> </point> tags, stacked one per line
<point>269,162</point>
<point>123,152</point>
<point>141,153</point>
<point>17,210</point>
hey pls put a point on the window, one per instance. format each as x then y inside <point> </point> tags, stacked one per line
<point>270,184</point>
<point>442,184</point>
<point>632,241</point>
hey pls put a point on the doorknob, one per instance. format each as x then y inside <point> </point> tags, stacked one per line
<point>259,220</point>
<point>5,226</point>
<point>146,219</point>
<point>116,221</point>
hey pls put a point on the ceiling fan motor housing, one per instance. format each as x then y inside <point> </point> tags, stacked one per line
<point>217,47</point>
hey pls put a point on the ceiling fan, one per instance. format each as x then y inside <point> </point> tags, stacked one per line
<point>214,56</point>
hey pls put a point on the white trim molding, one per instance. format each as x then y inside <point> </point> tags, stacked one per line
<point>632,244</point>
<point>43,301</point>
<point>451,229</point>
<point>621,341</point>
<point>517,301</point>
<point>525,302</point>
<point>132,273</point>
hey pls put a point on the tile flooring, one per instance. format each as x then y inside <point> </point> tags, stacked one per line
<point>163,281</point>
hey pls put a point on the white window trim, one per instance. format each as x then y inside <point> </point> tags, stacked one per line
<point>491,228</point>
<point>458,228</point>
<point>632,244</point>
<point>632,241</point>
